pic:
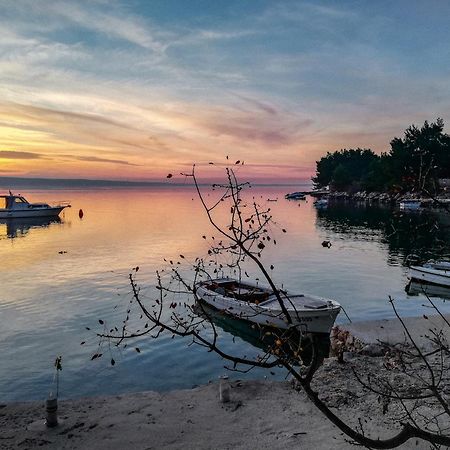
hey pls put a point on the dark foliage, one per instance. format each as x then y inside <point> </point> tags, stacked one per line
<point>345,168</point>
<point>414,163</point>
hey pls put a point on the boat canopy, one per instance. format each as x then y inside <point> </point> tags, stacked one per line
<point>10,201</point>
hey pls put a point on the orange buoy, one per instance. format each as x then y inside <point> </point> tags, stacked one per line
<point>80,214</point>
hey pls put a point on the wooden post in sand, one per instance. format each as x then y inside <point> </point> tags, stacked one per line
<point>224,390</point>
<point>51,407</point>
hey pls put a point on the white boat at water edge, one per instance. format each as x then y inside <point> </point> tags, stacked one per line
<point>321,203</point>
<point>247,301</point>
<point>434,272</point>
<point>15,206</point>
<point>410,204</point>
<point>415,287</point>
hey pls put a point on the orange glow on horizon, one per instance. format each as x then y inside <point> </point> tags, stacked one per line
<point>144,145</point>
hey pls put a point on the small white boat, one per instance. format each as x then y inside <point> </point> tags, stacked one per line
<point>15,206</point>
<point>247,301</point>
<point>321,203</point>
<point>434,272</point>
<point>415,287</point>
<point>295,196</point>
<point>410,204</point>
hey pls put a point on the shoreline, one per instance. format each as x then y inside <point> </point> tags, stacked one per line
<point>384,198</point>
<point>260,414</point>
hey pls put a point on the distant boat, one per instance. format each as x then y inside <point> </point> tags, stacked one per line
<point>295,196</point>
<point>16,206</point>
<point>247,301</point>
<point>410,204</point>
<point>321,203</point>
<point>434,272</point>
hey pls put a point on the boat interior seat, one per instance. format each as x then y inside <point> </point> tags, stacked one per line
<point>253,297</point>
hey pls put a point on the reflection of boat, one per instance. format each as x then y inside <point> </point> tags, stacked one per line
<point>20,226</point>
<point>432,272</point>
<point>432,290</point>
<point>321,203</point>
<point>13,206</point>
<point>409,204</point>
<point>260,305</point>
<point>295,344</point>
<point>295,196</point>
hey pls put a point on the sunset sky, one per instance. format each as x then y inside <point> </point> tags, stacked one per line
<point>134,90</point>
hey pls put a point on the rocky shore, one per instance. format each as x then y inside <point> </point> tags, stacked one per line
<point>385,198</point>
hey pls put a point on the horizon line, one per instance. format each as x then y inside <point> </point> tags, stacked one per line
<point>89,182</point>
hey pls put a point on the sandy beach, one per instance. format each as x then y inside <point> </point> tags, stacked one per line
<point>260,414</point>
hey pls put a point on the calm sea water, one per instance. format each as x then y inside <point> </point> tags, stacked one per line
<point>59,277</point>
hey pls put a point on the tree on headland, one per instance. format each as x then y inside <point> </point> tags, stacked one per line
<point>413,164</point>
<point>416,162</point>
<point>237,246</point>
<point>344,169</point>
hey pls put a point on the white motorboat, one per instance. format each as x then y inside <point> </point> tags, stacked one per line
<point>16,206</point>
<point>410,204</point>
<point>434,272</point>
<point>247,301</point>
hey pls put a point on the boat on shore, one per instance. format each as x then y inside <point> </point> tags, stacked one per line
<point>295,196</point>
<point>260,305</point>
<point>16,206</point>
<point>433,272</point>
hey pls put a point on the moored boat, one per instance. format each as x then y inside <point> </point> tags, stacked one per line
<point>415,287</point>
<point>434,272</point>
<point>410,204</point>
<point>295,196</point>
<point>321,203</point>
<point>16,206</point>
<point>251,302</point>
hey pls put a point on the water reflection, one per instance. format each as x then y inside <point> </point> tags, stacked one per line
<point>20,227</point>
<point>431,290</point>
<point>425,235</point>
<point>67,274</point>
<point>295,344</point>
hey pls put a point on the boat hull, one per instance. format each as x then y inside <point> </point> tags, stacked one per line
<point>306,321</point>
<point>415,287</point>
<point>429,275</point>
<point>36,212</point>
